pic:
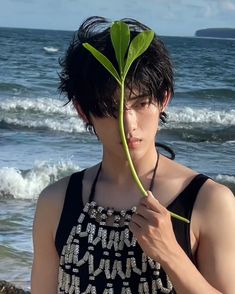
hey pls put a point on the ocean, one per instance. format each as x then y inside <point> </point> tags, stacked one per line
<point>41,140</point>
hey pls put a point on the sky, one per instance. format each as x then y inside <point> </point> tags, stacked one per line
<point>166,17</point>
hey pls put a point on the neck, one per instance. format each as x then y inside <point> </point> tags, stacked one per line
<point>117,171</point>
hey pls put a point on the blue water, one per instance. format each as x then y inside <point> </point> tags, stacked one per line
<point>41,140</point>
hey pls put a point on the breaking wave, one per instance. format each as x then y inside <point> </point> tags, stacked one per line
<point>27,184</point>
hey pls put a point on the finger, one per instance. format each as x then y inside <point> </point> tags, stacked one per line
<point>139,220</point>
<point>152,203</point>
<point>151,217</point>
<point>146,213</point>
<point>134,228</point>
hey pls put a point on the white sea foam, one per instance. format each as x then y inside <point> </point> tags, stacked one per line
<point>225,179</point>
<point>230,142</point>
<point>46,113</point>
<point>45,105</point>
<point>201,115</point>
<point>29,184</point>
<point>68,125</point>
<point>51,49</point>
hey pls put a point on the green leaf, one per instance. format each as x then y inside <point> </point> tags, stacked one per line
<point>120,36</point>
<point>138,45</point>
<point>104,61</point>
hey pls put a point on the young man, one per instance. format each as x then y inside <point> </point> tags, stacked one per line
<point>93,231</point>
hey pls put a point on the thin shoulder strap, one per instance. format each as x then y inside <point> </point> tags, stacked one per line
<point>72,207</point>
<point>183,205</point>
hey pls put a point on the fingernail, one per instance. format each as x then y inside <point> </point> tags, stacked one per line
<point>150,193</point>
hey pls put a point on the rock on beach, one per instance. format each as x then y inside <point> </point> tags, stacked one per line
<point>8,288</point>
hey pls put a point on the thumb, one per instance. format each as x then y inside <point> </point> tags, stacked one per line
<point>150,194</point>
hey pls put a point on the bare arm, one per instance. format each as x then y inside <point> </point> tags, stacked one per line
<point>46,261</point>
<point>215,255</point>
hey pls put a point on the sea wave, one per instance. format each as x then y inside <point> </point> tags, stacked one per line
<point>13,253</point>
<point>51,49</point>
<point>47,114</point>
<point>201,116</point>
<point>227,180</point>
<point>13,87</point>
<point>39,114</point>
<point>215,93</point>
<point>43,105</point>
<point>196,134</point>
<point>200,124</point>
<point>68,125</point>
<point>28,184</point>
<point>187,115</point>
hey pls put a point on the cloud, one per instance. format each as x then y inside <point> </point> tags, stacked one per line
<point>220,9</point>
<point>227,5</point>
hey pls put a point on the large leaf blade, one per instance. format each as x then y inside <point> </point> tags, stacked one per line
<point>120,37</point>
<point>137,47</point>
<point>103,60</point>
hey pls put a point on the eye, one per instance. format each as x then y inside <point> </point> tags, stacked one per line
<point>142,104</point>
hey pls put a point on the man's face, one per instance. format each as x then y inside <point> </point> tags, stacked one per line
<point>141,120</point>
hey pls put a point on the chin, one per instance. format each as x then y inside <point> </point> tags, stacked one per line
<point>137,152</point>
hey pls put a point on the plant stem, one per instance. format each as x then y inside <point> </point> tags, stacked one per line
<point>124,142</point>
<point>126,150</point>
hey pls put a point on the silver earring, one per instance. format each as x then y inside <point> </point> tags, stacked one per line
<point>90,128</point>
<point>163,116</point>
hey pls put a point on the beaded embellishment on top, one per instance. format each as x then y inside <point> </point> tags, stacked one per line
<point>102,256</point>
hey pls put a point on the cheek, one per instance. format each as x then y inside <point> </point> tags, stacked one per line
<point>107,130</point>
<point>150,121</point>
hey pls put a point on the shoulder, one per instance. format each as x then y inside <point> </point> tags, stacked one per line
<point>47,216</point>
<point>215,205</point>
<point>54,194</point>
<point>215,215</point>
<point>50,205</point>
<point>213,190</point>
<point>214,196</point>
<point>51,200</point>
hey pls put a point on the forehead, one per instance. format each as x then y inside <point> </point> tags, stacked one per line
<point>131,93</point>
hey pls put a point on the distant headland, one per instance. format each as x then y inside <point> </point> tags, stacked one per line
<point>216,33</point>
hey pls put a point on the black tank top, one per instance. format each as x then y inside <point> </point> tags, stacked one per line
<point>99,258</point>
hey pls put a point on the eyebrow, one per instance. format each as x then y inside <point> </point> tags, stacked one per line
<point>138,96</point>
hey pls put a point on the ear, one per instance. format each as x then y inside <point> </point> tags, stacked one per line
<point>167,99</point>
<point>80,111</point>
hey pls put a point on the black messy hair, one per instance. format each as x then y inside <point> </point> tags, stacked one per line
<point>86,82</point>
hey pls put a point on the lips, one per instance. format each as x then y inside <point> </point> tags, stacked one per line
<point>133,142</point>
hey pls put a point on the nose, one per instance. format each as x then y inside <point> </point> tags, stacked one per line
<point>130,120</point>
